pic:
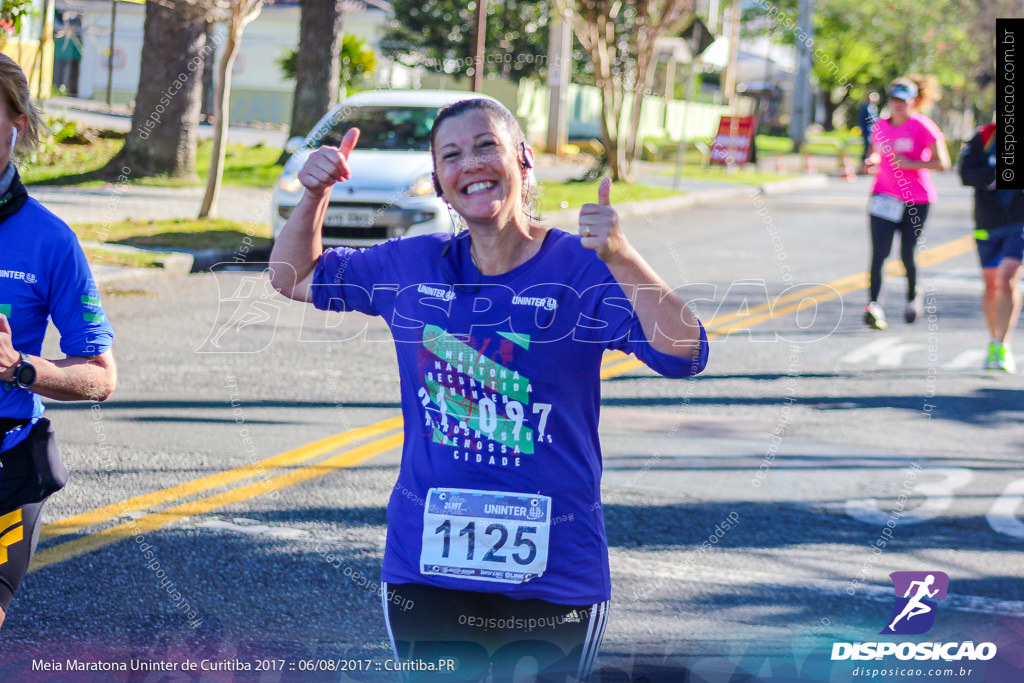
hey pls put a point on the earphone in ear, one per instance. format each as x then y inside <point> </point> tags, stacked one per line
<point>437,184</point>
<point>527,156</point>
<point>14,137</point>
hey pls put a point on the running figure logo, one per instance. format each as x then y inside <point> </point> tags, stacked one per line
<point>247,319</point>
<point>917,595</point>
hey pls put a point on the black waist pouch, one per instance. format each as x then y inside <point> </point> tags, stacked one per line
<point>32,470</point>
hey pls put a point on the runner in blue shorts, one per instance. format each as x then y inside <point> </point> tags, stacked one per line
<point>999,223</point>
<point>496,556</point>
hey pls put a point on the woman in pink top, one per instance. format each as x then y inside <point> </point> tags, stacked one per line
<point>904,147</point>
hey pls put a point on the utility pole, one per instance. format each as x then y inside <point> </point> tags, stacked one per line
<point>479,42</point>
<point>110,61</point>
<point>559,66</point>
<point>801,117</point>
<point>729,87</point>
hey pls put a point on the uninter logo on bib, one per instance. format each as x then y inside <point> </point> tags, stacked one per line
<point>917,596</point>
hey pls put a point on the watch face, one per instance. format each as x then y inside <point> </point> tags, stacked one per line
<point>25,376</point>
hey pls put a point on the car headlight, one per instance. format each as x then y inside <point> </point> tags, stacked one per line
<point>423,187</point>
<point>289,182</point>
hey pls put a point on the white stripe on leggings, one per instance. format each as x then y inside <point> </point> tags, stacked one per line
<point>387,617</point>
<point>592,643</point>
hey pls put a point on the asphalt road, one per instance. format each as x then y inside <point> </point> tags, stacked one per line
<point>742,507</point>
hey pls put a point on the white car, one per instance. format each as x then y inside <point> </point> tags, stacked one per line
<point>391,192</point>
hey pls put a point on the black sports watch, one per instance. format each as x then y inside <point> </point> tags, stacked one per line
<point>24,373</point>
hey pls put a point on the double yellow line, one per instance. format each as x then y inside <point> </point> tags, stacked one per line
<point>386,434</point>
<point>146,512</point>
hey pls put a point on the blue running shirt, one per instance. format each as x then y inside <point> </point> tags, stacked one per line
<point>44,276</point>
<point>500,481</point>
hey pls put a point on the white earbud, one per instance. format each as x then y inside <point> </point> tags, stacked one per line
<point>14,137</point>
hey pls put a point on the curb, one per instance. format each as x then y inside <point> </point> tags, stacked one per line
<point>172,263</point>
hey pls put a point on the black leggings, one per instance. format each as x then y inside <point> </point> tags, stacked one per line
<point>882,233</point>
<point>467,635</point>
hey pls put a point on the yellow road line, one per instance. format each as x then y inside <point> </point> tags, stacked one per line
<point>734,322</point>
<point>155,520</point>
<point>76,523</point>
<point>614,364</point>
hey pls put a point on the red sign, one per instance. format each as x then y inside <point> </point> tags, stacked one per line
<point>734,143</point>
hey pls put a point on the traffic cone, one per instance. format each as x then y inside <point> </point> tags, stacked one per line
<point>809,166</point>
<point>780,168</point>
<point>848,172</point>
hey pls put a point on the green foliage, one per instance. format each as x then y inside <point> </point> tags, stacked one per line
<point>862,45</point>
<point>439,36</point>
<point>54,133</point>
<point>81,153</point>
<point>358,62</point>
<point>556,196</point>
<point>181,233</point>
<point>12,12</point>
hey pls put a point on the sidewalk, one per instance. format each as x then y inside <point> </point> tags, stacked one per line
<point>119,118</point>
<point>121,202</point>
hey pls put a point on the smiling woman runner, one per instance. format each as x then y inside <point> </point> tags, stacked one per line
<point>497,538</point>
<point>43,276</point>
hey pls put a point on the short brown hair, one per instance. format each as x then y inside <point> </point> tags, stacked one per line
<point>18,100</point>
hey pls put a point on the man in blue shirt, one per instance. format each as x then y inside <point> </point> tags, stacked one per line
<point>43,276</point>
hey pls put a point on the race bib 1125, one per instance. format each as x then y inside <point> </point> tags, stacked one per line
<point>485,535</point>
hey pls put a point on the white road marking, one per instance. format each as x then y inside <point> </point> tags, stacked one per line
<point>254,529</point>
<point>888,350</point>
<point>939,499</point>
<point>1003,515</point>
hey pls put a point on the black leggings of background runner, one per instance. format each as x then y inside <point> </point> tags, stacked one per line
<point>882,233</point>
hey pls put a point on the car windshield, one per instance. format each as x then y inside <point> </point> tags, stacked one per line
<point>398,128</point>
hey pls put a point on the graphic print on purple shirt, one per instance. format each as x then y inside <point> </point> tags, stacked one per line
<point>466,393</point>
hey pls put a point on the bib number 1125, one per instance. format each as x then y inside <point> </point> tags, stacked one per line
<point>485,535</point>
<point>501,532</point>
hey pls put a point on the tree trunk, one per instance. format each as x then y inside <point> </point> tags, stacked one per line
<point>318,65</point>
<point>831,106</point>
<point>603,52</point>
<point>830,111</point>
<point>594,23</point>
<point>220,123</point>
<point>163,136</point>
<point>242,12</point>
<point>644,75</point>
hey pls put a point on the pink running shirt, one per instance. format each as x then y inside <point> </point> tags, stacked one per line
<point>912,140</point>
